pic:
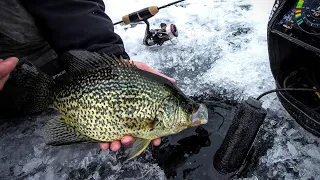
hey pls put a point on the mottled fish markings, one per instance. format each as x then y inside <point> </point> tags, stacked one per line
<point>109,98</point>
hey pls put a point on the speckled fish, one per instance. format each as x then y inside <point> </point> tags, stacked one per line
<point>110,97</point>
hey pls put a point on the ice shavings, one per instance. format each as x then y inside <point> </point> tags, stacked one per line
<point>293,155</point>
<point>205,40</point>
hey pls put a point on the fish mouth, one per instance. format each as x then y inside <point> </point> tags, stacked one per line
<point>200,116</point>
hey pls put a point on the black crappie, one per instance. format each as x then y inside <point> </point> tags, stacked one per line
<point>109,98</point>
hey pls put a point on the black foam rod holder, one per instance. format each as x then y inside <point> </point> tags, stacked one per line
<point>248,118</point>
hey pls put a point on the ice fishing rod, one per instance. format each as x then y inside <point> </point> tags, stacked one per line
<point>143,14</point>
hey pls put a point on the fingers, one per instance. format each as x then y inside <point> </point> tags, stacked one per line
<point>127,141</point>
<point>5,69</point>
<point>145,67</point>
<point>156,142</point>
<point>104,146</point>
<point>115,146</point>
<point>7,66</point>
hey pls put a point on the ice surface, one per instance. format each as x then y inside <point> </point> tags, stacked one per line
<point>222,45</point>
<point>294,155</point>
<point>222,50</point>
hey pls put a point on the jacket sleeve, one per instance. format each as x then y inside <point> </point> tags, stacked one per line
<point>76,24</point>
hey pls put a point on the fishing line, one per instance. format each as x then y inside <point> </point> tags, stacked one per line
<point>222,120</point>
<point>170,4</point>
<point>219,114</point>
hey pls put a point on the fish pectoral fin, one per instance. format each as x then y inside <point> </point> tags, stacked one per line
<point>57,132</point>
<point>138,147</point>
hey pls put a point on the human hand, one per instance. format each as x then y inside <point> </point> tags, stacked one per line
<point>6,67</point>
<point>145,67</point>
<point>128,140</point>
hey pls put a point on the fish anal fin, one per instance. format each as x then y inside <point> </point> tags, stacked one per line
<point>57,132</point>
<point>138,147</point>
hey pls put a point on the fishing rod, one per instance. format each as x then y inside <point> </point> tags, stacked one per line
<point>143,14</point>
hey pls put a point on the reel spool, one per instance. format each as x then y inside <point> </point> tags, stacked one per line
<point>172,31</point>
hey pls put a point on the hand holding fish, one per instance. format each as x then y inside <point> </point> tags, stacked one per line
<point>6,67</point>
<point>129,140</point>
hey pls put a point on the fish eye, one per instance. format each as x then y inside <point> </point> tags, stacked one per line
<point>189,107</point>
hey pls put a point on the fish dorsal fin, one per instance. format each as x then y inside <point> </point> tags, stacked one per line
<point>83,61</point>
<point>57,132</point>
<point>138,147</point>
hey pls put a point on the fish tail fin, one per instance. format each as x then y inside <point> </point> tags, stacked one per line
<point>34,86</point>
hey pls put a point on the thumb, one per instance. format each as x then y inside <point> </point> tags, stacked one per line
<point>7,66</point>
